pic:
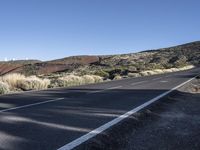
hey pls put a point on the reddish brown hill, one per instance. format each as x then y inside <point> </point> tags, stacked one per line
<point>47,67</point>
<point>6,68</point>
<point>81,60</point>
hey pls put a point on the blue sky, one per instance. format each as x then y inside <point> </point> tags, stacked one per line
<point>49,29</point>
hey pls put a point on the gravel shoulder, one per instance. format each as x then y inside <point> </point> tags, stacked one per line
<point>172,123</point>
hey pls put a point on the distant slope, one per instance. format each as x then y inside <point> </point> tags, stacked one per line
<point>176,56</point>
<point>14,66</point>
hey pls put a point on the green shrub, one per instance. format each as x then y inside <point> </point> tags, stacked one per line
<point>30,69</point>
<point>102,73</point>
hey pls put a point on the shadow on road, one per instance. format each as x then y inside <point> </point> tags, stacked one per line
<point>60,122</point>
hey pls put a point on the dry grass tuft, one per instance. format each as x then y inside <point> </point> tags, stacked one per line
<point>117,77</point>
<point>160,71</point>
<point>133,75</point>
<point>33,83</point>
<point>69,80</point>
<point>4,88</point>
<point>18,81</point>
<point>73,80</point>
<point>97,79</point>
<point>13,79</point>
<point>88,79</point>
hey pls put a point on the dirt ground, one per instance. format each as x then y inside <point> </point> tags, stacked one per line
<point>173,123</point>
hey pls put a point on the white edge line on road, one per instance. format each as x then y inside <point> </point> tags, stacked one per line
<point>168,76</point>
<point>102,128</point>
<point>116,87</point>
<point>135,83</point>
<point>157,78</point>
<point>112,88</point>
<point>29,105</point>
<point>164,81</point>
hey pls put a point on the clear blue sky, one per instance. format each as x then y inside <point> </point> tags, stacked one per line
<point>48,29</point>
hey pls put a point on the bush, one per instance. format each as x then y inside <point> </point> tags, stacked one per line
<point>187,67</point>
<point>102,73</point>
<point>97,79</point>
<point>159,71</point>
<point>73,80</point>
<point>33,83</point>
<point>144,73</point>
<point>88,79</point>
<point>18,81</point>
<point>133,75</point>
<point>69,80</point>
<point>4,88</point>
<point>167,70</point>
<point>117,77</point>
<point>12,79</point>
<point>174,69</point>
<point>151,72</point>
<point>115,71</point>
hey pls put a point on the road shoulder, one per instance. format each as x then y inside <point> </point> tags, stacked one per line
<point>171,123</point>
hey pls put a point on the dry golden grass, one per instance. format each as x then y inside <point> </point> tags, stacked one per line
<point>33,83</point>
<point>97,79</point>
<point>73,80</point>
<point>160,71</point>
<point>88,79</point>
<point>69,80</point>
<point>13,79</point>
<point>4,88</point>
<point>18,81</point>
<point>117,77</point>
<point>133,75</point>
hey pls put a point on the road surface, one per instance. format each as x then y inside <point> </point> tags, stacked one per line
<point>51,119</point>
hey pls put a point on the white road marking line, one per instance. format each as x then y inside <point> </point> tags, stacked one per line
<point>164,81</point>
<point>30,105</point>
<point>116,87</point>
<point>111,88</point>
<point>157,78</point>
<point>102,128</point>
<point>135,83</point>
<point>168,76</point>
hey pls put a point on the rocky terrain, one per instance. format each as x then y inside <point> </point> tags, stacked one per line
<point>110,66</point>
<point>15,66</point>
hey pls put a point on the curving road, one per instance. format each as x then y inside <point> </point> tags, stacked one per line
<point>64,118</point>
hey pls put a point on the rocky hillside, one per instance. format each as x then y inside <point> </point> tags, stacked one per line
<point>15,66</point>
<point>177,56</point>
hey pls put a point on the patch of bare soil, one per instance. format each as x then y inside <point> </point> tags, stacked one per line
<point>171,124</point>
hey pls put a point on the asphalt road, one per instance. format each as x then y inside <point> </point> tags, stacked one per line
<point>50,119</point>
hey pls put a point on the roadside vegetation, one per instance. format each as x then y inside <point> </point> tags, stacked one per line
<point>4,88</point>
<point>29,75</point>
<point>16,82</point>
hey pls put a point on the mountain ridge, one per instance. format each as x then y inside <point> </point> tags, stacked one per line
<point>175,56</point>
